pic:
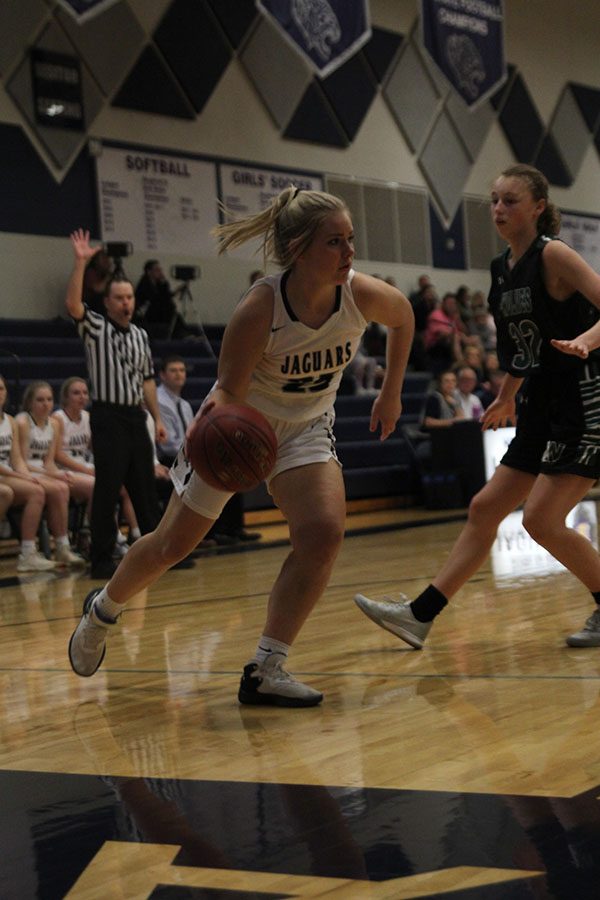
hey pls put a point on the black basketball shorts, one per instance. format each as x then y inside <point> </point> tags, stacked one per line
<point>558,426</point>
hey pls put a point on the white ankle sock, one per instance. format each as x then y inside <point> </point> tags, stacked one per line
<point>27,547</point>
<point>62,540</point>
<point>267,646</point>
<point>107,608</point>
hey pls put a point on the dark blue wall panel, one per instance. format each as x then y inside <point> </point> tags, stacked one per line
<point>447,244</point>
<point>31,202</point>
<point>521,123</point>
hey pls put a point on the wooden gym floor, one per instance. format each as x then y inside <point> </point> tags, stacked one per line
<point>469,769</point>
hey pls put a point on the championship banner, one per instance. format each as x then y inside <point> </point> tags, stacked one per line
<point>82,10</point>
<point>465,39</point>
<point>325,32</point>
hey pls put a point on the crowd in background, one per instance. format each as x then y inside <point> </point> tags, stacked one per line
<point>455,341</point>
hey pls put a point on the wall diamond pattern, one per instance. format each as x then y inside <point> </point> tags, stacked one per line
<point>173,67</point>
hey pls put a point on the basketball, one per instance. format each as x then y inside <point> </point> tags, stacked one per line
<point>232,447</point>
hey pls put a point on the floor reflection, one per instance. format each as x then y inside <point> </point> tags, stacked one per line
<point>516,555</point>
<point>55,824</point>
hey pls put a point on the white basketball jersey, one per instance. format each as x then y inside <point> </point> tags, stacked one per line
<point>301,369</point>
<point>77,436</point>
<point>6,439</point>
<point>40,441</point>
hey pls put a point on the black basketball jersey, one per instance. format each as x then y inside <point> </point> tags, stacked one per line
<point>527,317</point>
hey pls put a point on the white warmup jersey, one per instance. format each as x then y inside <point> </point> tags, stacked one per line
<point>40,441</point>
<point>300,371</point>
<point>77,436</point>
<point>6,439</point>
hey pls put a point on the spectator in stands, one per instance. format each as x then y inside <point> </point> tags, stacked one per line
<point>98,273</point>
<point>24,490</point>
<point>442,407</point>
<point>424,302</point>
<point>162,481</point>
<point>491,363</point>
<point>472,356</point>
<point>363,372</point>
<point>423,283</point>
<point>73,449</point>
<point>155,307</point>
<point>177,414</point>
<point>482,322</point>
<point>38,441</point>
<point>442,338</point>
<point>463,305</point>
<point>466,381</point>
<point>490,390</point>
<point>74,455</point>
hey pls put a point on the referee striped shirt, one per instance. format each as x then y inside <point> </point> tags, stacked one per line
<point>118,359</point>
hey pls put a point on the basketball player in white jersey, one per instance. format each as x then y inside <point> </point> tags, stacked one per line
<point>283,352</point>
<point>74,454</point>
<point>22,488</point>
<point>38,439</point>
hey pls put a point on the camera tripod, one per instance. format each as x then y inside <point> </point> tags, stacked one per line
<point>187,306</point>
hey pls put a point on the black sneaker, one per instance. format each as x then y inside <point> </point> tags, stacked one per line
<point>268,684</point>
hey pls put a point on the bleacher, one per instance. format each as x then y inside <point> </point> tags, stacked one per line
<point>51,350</point>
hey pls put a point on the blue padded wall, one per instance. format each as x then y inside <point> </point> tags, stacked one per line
<point>350,90</point>
<point>447,244</point>
<point>314,120</point>
<point>151,88</point>
<point>235,17</point>
<point>33,203</point>
<point>194,46</point>
<point>521,122</point>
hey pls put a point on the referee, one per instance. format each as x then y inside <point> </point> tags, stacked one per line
<point>122,378</point>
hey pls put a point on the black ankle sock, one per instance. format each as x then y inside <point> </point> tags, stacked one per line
<point>428,604</point>
<point>596,596</point>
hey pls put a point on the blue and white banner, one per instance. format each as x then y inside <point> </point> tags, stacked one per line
<point>325,32</point>
<point>82,10</point>
<point>465,39</point>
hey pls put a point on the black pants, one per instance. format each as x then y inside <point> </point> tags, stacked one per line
<point>123,455</point>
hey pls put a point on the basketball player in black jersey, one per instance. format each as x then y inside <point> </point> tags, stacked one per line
<point>545,300</point>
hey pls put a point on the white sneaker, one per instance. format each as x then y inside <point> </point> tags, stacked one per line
<point>397,617</point>
<point>268,684</point>
<point>34,561</point>
<point>589,636</point>
<point>64,556</point>
<point>88,642</point>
